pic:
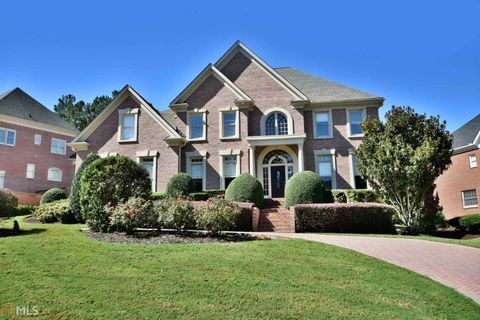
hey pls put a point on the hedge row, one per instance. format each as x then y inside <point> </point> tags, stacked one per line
<point>470,222</point>
<point>355,195</point>
<point>344,217</point>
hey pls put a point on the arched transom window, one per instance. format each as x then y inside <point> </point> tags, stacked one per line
<point>276,124</point>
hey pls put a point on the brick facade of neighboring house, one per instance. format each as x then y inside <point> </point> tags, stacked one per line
<point>459,187</point>
<point>238,115</point>
<point>26,151</point>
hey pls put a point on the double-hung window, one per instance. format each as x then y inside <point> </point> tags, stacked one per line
<point>197,126</point>
<point>326,169</point>
<point>358,181</point>
<point>54,174</point>
<point>355,118</point>
<point>7,136</point>
<point>472,159</point>
<point>229,124</point>
<point>37,139</point>
<point>30,171</point>
<point>58,146</point>
<point>469,198</point>
<point>127,125</point>
<point>148,163</point>
<point>323,124</point>
<point>196,172</point>
<point>229,169</point>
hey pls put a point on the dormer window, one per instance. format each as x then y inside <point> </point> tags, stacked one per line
<point>127,125</point>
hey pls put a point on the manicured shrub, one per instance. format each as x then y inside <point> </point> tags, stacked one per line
<point>470,222</point>
<point>8,203</point>
<point>76,187</point>
<point>245,188</point>
<point>134,213</point>
<point>355,195</point>
<point>181,185</point>
<point>175,213</point>
<point>199,196</point>
<point>110,180</point>
<point>215,193</point>
<point>157,196</point>
<point>344,217</point>
<point>24,210</point>
<point>303,187</point>
<point>52,195</point>
<point>55,211</point>
<point>217,215</point>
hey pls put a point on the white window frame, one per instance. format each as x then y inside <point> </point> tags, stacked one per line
<point>472,159</point>
<point>330,124</point>
<point>121,114</point>
<point>50,178</point>
<point>2,179</point>
<point>198,154</point>
<point>331,153</point>
<point>221,113</point>
<point>58,140</point>
<point>364,116</point>
<point>222,155</point>
<point>30,171</point>
<point>148,154</point>
<point>267,113</point>
<point>204,119</point>
<point>352,172</point>
<point>6,137</point>
<point>37,139</point>
<point>463,199</point>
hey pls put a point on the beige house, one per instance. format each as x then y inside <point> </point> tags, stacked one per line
<point>239,115</point>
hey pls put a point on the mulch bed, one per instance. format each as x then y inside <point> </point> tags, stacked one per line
<point>165,237</point>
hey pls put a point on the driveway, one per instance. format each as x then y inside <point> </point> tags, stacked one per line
<point>453,265</point>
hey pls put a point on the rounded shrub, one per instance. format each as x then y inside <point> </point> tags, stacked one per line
<point>8,203</point>
<point>55,211</point>
<point>470,222</point>
<point>76,186</point>
<point>245,188</point>
<point>180,184</point>
<point>175,213</point>
<point>217,215</point>
<point>110,181</point>
<point>52,195</point>
<point>303,187</point>
<point>134,213</point>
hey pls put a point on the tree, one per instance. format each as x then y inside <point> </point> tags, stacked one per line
<point>402,158</point>
<point>80,114</point>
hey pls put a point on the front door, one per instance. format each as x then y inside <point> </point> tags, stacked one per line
<point>277,180</point>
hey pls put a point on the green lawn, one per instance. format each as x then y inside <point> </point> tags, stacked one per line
<point>69,276</point>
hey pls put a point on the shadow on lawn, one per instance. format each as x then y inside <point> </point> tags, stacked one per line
<point>10,233</point>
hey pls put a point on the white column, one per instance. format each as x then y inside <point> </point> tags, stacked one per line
<point>300,157</point>
<point>251,157</point>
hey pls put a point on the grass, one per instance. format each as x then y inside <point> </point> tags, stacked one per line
<point>69,276</point>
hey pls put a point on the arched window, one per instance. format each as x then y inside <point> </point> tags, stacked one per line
<point>54,174</point>
<point>276,124</point>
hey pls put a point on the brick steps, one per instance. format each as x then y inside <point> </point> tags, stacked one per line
<point>274,217</point>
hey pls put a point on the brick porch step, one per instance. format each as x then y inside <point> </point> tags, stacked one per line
<point>275,217</point>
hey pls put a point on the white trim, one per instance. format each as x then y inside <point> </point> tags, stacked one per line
<point>221,113</point>
<point>472,159</point>
<point>276,140</point>
<point>2,179</point>
<point>330,124</point>
<point>37,125</point>
<point>240,47</point>
<point>364,116</point>
<point>204,119</point>
<point>198,154</point>
<point>150,154</point>
<point>332,154</point>
<point>228,153</point>
<point>272,110</point>
<point>463,199</point>
<point>39,136</point>
<point>350,167</point>
<point>107,154</point>
<point>122,113</point>
<point>59,140</point>
<point>51,170</point>
<point>6,137</point>
<point>342,104</point>
<point>30,171</point>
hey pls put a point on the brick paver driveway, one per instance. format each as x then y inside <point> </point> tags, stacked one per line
<point>455,266</point>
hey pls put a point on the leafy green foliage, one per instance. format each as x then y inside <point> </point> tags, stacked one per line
<point>77,186</point>
<point>245,188</point>
<point>180,184</point>
<point>432,217</point>
<point>157,196</point>
<point>355,195</point>
<point>303,187</point>
<point>80,114</point>
<point>470,222</point>
<point>134,213</point>
<point>52,195</point>
<point>217,215</point>
<point>176,213</point>
<point>344,217</point>
<point>402,158</point>
<point>55,211</point>
<point>109,181</point>
<point>24,210</point>
<point>199,196</point>
<point>8,203</point>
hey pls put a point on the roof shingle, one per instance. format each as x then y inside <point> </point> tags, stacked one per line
<point>467,133</point>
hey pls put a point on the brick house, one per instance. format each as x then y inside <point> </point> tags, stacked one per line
<point>239,115</point>
<point>33,147</point>
<point>458,187</point>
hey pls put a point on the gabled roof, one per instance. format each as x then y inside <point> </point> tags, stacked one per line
<point>468,134</point>
<point>320,90</point>
<point>18,104</point>
<point>148,107</point>
<point>240,47</point>
<point>206,72</point>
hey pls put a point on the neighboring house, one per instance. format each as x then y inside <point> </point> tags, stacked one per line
<point>239,115</point>
<point>33,147</point>
<point>459,187</point>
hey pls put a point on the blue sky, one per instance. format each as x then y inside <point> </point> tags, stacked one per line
<point>425,54</point>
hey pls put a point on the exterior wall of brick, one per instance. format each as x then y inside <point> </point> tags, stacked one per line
<point>150,137</point>
<point>458,177</point>
<point>14,160</point>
